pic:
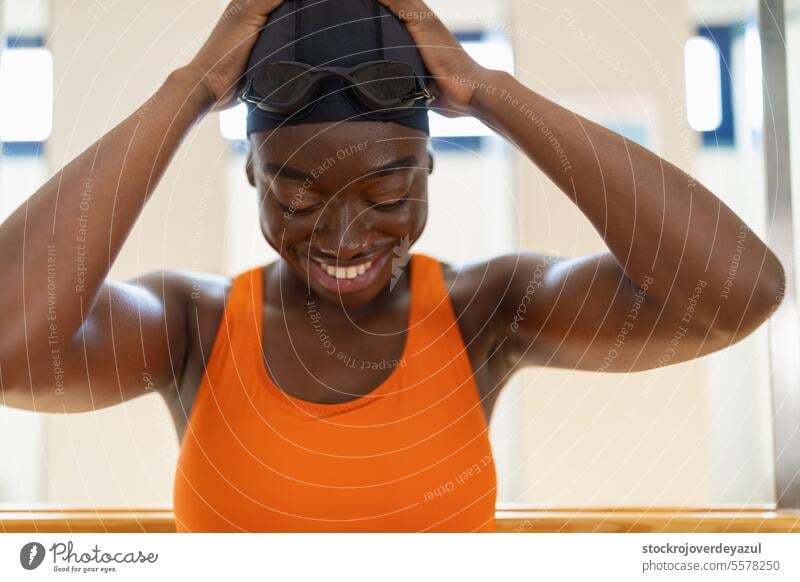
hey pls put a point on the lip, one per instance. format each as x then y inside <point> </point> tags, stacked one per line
<point>360,283</point>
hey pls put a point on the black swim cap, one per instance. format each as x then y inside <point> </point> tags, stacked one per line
<point>340,33</point>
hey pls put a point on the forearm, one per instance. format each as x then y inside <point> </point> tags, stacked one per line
<point>56,249</point>
<point>658,222</point>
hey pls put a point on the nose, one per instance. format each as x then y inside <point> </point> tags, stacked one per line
<point>341,232</point>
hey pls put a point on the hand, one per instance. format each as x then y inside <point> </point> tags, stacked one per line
<point>456,74</point>
<point>221,61</point>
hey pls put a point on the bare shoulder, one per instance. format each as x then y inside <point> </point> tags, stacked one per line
<point>200,297</point>
<point>477,290</point>
<point>484,281</point>
<point>486,293</point>
<point>197,293</point>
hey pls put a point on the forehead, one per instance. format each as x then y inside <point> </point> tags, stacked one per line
<point>355,142</point>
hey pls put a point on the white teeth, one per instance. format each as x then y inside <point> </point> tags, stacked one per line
<point>346,272</point>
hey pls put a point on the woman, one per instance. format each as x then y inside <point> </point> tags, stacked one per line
<point>348,386</point>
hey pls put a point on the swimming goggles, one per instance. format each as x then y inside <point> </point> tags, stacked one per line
<point>384,88</point>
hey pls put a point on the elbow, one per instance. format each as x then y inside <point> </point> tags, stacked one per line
<point>776,285</point>
<point>768,291</point>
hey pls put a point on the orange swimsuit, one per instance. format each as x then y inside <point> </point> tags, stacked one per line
<point>413,455</point>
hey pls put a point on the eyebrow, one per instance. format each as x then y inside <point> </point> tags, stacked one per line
<point>290,173</point>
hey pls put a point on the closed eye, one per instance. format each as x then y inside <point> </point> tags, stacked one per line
<point>391,205</point>
<point>297,210</point>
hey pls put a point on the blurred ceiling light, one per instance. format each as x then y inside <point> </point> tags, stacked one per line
<point>703,84</point>
<point>753,75</point>
<point>26,95</point>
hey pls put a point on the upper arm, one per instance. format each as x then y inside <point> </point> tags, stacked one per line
<point>133,341</point>
<point>586,314</point>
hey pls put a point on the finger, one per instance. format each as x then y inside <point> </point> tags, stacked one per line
<point>424,24</point>
<point>433,86</point>
<point>436,91</point>
<point>404,8</point>
<point>249,9</point>
<point>445,108</point>
<point>255,6</point>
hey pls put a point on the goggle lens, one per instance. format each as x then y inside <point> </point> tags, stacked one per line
<point>389,83</point>
<point>281,83</point>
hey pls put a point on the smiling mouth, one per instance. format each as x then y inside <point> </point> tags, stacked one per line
<point>345,272</point>
<point>350,278</point>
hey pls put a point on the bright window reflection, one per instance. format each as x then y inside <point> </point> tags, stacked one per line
<point>233,123</point>
<point>26,95</point>
<point>703,84</point>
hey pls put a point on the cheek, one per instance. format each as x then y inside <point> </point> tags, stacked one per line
<point>283,229</point>
<point>417,209</point>
<point>409,220</point>
<point>420,218</point>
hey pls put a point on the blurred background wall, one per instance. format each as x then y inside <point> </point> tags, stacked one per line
<point>692,434</point>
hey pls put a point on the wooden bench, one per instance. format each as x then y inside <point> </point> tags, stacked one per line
<point>510,518</point>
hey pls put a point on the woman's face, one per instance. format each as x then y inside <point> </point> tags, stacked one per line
<point>336,199</point>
